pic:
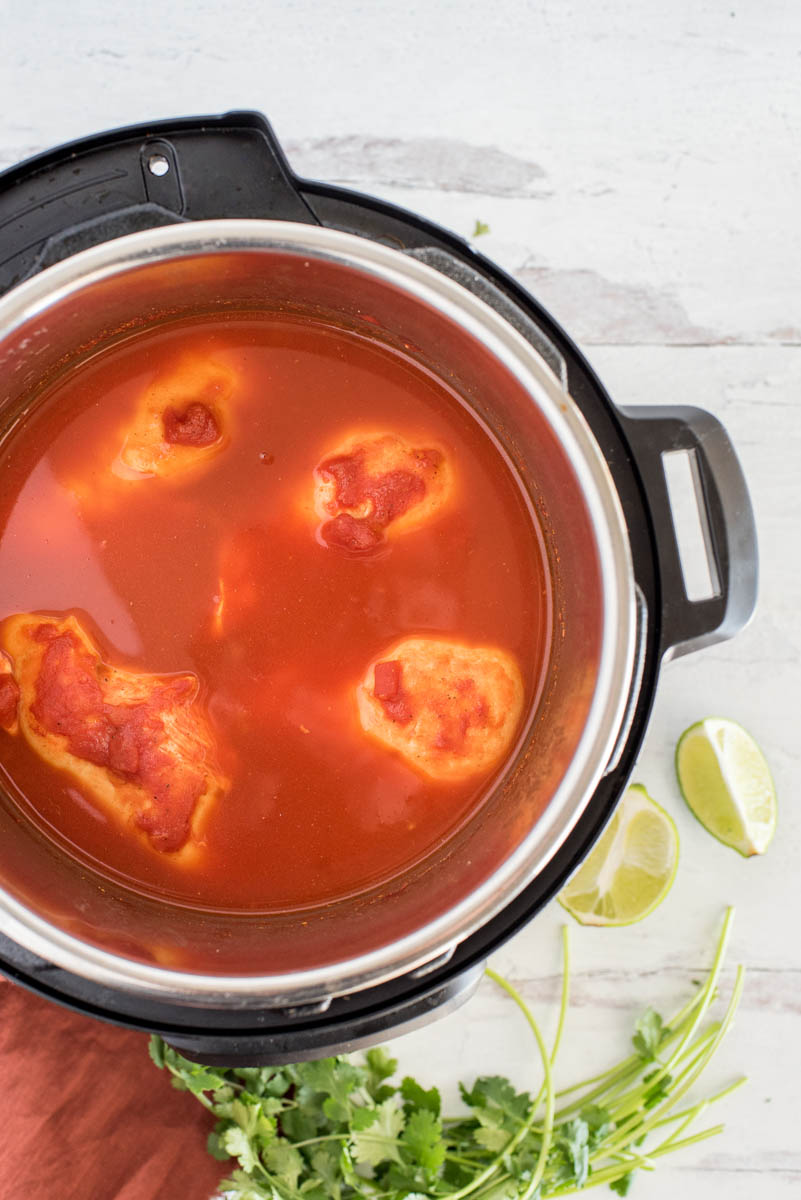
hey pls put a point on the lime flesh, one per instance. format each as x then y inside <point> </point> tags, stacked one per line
<point>726,783</point>
<point>630,869</point>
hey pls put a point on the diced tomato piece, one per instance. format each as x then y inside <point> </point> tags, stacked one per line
<point>349,533</point>
<point>9,695</point>
<point>195,426</point>
<point>387,680</point>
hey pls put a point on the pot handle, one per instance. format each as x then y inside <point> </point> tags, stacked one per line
<point>126,180</point>
<point>727,520</point>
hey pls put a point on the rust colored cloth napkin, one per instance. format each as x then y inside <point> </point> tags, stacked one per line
<point>86,1116</point>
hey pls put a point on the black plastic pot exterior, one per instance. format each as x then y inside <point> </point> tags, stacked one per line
<point>221,167</point>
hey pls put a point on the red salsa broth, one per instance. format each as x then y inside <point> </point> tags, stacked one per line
<point>222,572</point>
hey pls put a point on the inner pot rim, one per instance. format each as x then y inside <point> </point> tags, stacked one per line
<point>37,296</point>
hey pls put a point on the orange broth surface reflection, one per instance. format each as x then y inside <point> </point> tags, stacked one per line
<point>221,571</point>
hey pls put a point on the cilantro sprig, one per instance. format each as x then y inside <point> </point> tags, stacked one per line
<point>340,1130</point>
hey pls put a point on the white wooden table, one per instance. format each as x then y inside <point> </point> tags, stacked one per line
<point>638,165</point>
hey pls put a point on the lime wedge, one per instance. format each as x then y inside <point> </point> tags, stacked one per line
<point>630,869</point>
<point>726,782</point>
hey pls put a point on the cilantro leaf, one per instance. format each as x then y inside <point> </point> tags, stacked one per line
<point>379,1143</point>
<point>573,1139</point>
<point>650,1032</point>
<point>256,1078</point>
<point>202,1080</point>
<point>241,1184</point>
<point>599,1123</point>
<point>480,228</point>
<point>422,1140</point>
<point>491,1137</point>
<point>284,1162</point>
<point>325,1161</point>
<point>407,1181</point>
<point>622,1184</point>
<point>496,1103</point>
<point>415,1096</point>
<point>250,1117</point>
<point>660,1090</point>
<point>215,1147</point>
<point>236,1143</point>
<point>363,1118</point>
<point>299,1124</point>
<point>336,1079</point>
<point>156,1050</point>
<point>187,1075</point>
<point>380,1066</point>
<point>277,1084</point>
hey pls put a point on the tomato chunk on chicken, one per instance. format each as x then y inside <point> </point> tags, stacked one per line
<point>9,697</point>
<point>180,421</point>
<point>374,486</point>
<point>136,745</point>
<point>450,710</point>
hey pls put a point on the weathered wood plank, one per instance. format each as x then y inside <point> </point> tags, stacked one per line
<point>638,166</point>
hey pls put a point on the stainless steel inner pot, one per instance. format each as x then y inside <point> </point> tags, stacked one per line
<point>61,911</point>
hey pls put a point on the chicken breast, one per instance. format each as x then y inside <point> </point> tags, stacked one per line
<point>137,745</point>
<point>451,710</point>
<point>180,421</point>
<point>376,485</point>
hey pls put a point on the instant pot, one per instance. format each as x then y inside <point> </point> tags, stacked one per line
<point>115,232</point>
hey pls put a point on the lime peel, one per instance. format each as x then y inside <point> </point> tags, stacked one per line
<point>726,783</point>
<point>631,868</point>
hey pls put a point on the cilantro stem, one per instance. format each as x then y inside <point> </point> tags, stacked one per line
<point>721,1095</point>
<point>464,1162</point>
<point>609,1175</point>
<point>666,1148</point>
<point>547,1128</point>
<point>706,997</point>
<point>636,1162</point>
<point>621,1075</point>
<point>490,1189</point>
<point>687,1120</point>
<point>636,1124</point>
<point>629,1068</point>
<point>563,1006</point>
<point>623,1104</point>
<point>682,1026</point>
<point>326,1137</point>
<point>565,999</point>
<point>489,1171</point>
